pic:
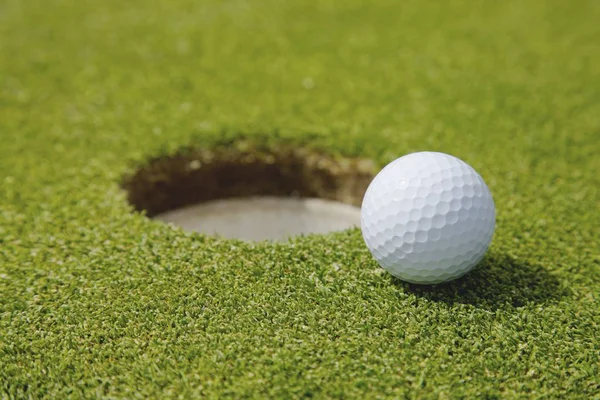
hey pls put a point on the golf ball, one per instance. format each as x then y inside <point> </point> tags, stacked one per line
<point>428,218</point>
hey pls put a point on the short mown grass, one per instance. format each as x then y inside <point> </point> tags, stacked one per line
<point>97,300</point>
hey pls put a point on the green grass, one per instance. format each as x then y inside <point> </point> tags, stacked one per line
<point>98,301</point>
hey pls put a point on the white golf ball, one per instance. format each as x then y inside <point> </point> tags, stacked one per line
<point>428,218</point>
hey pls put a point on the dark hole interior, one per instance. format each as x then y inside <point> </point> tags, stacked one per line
<point>199,175</point>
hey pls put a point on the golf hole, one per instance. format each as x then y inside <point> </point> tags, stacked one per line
<point>250,193</point>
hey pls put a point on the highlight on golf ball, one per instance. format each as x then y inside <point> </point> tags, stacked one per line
<point>428,218</point>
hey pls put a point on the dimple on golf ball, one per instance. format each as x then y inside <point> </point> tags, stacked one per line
<point>428,218</point>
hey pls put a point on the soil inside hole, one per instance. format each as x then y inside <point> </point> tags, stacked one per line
<point>170,185</point>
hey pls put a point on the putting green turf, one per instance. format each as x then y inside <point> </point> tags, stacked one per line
<point>98,301</point>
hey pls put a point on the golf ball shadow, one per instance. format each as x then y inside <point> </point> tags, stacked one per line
<point>499,281</point>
